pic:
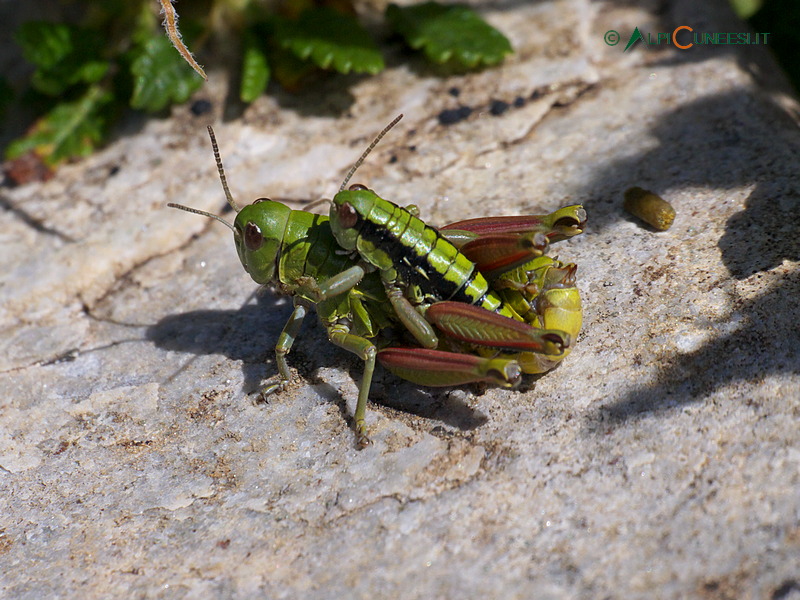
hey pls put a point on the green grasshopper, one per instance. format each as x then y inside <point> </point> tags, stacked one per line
<point>540,290</point>
<point>483,282</point>
<point>297,250</point>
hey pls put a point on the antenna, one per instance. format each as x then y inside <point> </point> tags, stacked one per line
<point>200,212</point>
<point>369,149</point>
<point>228,196</point>
<point>221,170</point>
<point>315,204</point>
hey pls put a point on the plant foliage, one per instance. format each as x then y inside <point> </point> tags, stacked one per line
<point>119,57</point>
<point>331,40</point>
<point>449,34</point>
<point>255,70</point>
<point>69,129</point>
<point>161,76</point>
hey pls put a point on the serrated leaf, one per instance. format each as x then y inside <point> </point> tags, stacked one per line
<point>161,77</point>
<point>449,34</point>
<point>44,44</point>
<point>255,71</point>
<point>55,82</point>
<point>331,40</point>
<point>64,55</point>
<point>70,129</point>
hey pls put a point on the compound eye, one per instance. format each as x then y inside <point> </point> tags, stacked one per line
<point>357,187</point>
<point>253,240</point>
<point>348,216</point>
<point>258,200</point>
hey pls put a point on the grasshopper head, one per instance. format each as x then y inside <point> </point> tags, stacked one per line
<point>257,231</point>
<point>348,210</point>
<point>258,234</point>
<point>351,206</point>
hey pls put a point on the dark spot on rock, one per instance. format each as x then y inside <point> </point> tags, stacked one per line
<point>498,107</point>
<point>454,115</point>
<point>201,107</point>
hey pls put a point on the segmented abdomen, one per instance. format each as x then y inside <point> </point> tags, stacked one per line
<point>423,257</point>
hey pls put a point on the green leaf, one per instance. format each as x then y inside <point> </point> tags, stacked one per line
<point>70,129</point>
<point>45,44</point>
<point>161,77</point>
<point>64,55</point>
<point>745,9</point>
<point>331,40</point>
<point>452,34</point>
<point>255,70</point>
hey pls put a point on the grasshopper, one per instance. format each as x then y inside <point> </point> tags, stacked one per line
<point>298,251</point>
<point>540,290</point>
<point>483,282</point>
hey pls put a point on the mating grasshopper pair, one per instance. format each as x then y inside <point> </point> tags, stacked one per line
<point>504,307</point>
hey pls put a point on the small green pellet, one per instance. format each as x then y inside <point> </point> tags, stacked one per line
<point>649,207</point>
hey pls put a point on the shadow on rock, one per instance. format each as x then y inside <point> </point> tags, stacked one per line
<point>249,335</point>
<point>764,234</point>
<point>436,404</point>
<point>765,343</point>
<point>719,142</point>
<point>714,142</point>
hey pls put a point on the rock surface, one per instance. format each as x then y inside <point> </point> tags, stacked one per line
<point>661,459</point>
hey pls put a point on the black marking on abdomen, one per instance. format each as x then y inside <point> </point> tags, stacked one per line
<point>415,269</point>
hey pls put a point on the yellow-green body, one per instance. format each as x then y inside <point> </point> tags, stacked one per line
<point>373,264</point>
<point>408,250</point>
<point>299,253</point>
<point>423,265</point>
<point>544,293</point>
